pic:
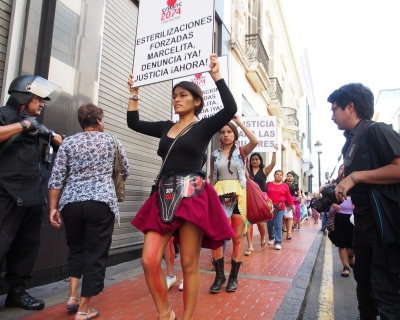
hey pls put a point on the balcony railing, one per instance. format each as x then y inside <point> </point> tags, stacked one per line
<point>291,116</point>
<point>276,89</point>
<point>255,50</point>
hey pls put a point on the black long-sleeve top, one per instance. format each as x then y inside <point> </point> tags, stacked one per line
<point>187,153</point>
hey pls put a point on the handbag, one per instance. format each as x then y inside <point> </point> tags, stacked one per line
<point>117,176</point>
<point>154,187</point>
<point>330,221</point>
<point>288,212</point>
<point>259,205</point>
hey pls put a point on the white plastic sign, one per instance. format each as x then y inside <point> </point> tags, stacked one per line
<point>212,98</point>
<point>264,128</point>
<point>174,39</point>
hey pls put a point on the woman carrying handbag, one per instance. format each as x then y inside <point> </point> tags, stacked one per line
<point>81,188</point>
<point>195,218</point>
<point>228,175</point>
<point>259,173</point>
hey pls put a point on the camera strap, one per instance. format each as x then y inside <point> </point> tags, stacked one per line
<point>351,150</point>
<point>333,171</point>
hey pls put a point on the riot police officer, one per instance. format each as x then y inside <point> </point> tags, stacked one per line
<point>25,154</point>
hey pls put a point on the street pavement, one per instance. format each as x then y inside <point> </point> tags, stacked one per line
<point>272,285</point>
<point>330,296</point>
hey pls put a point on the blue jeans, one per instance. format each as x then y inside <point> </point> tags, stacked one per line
<point>270,228</point>
<point>278,226</point>
<point>324,217</point>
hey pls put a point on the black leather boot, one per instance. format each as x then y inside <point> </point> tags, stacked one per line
<point>18,298</point>
<point>232,281</point>
<point>220,278</point>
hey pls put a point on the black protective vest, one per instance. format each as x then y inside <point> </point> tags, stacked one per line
<point>21,166</point>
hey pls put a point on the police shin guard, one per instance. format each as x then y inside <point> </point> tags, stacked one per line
<point>232,281</point>
<point>18,298</point>
<point>220,278</point>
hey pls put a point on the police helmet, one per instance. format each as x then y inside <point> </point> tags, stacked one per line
<point>24,87</point>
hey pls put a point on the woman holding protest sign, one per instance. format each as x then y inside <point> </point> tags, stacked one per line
<point>259,173</point>
<point>198,220</point>
<point>228,177</point>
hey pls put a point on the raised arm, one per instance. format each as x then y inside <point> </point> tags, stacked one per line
<point>267,170</point>
<point>222,117</point>
<point>249,147</point>
<point>149,128</point>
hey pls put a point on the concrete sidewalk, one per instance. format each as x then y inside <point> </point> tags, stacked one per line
<point>272,285</point>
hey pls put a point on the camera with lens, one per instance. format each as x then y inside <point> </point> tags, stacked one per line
<point>328,198</point>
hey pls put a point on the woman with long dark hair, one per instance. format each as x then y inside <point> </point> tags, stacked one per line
<point>259,173</point>
<point>229,180</point>
<point>198,220</point>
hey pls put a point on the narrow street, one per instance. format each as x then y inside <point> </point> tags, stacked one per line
<point>330,296</point>
<point>272,285</point>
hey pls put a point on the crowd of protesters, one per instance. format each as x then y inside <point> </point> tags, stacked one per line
<point>209,213</point>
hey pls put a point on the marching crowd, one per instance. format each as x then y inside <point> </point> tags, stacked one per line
<point>186,207</point>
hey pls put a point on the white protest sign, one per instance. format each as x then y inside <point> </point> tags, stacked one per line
<point>174,39</point>
<point>264,128</point>
<point>212,98</point>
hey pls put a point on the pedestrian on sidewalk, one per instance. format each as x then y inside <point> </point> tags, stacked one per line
<point>341,233</point>
<point>83,170</point>
<point>303,209</point>
<point>340,229</point>
<point>372,177</point>
<point>308,202</point>
<point>199,220</point>
<point>279,193</point>
<point>259,173</point>
<point>292,223</point>
<point>169,258</point>
<point>228,174</point>
<point>315,213</point>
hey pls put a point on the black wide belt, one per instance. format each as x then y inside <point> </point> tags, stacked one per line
<point>173,188</point>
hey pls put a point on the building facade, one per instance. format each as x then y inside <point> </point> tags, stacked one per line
<point>387,108</point>
<point>265,74</point>
<point>309,160</point>
<point>87,47</point>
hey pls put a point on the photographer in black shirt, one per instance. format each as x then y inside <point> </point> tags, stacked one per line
<point>372,169</point>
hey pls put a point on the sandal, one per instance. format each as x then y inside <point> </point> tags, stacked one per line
<point>73,306</point>
<point>87,314</point>
<point>283,230</point>
<point>289,237</point>
<point>172,314</point>
<point>345,275</point>
<point>264,246</point>
<point>248,252</point>
<point>352,264</point>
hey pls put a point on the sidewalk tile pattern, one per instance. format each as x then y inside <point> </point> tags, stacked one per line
<point>259,295</point>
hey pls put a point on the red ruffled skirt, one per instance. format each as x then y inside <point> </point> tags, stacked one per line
<point>204,211</point>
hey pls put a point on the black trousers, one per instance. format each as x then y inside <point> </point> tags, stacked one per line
<point>20,229</point>
<point>378,291</point>
<point>89,226</point>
